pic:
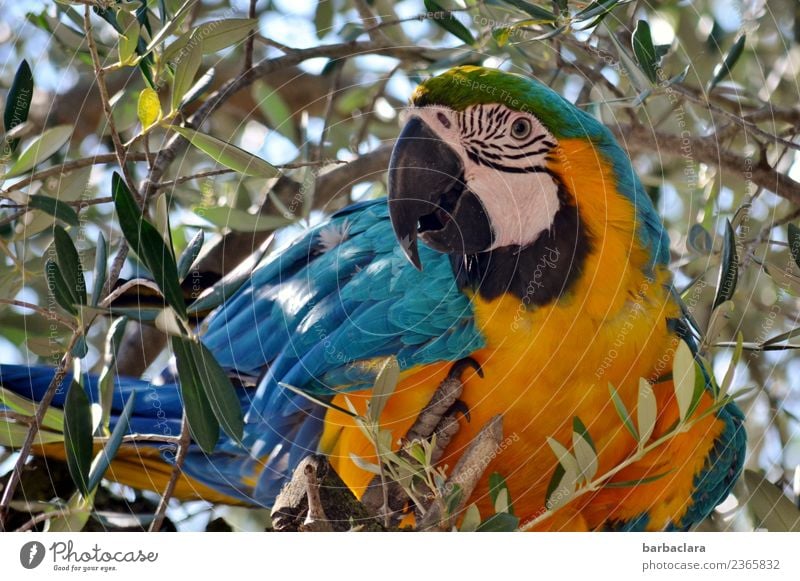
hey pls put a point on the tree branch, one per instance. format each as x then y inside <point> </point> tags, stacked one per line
<point>177,469</point>
<point>261,69</point>
<point>709,151</point>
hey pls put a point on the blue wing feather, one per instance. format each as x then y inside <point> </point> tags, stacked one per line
<point>310,314</point>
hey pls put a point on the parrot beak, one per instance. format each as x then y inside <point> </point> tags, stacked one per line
<point>428,197</point>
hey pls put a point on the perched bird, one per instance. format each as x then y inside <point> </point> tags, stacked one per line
<point>518,254</point>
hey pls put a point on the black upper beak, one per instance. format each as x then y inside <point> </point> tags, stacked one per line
<point>427,196</point>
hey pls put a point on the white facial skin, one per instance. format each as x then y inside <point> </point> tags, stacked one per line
<point>521,201</point>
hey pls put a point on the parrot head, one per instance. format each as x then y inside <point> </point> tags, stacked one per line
<point>472,169</point>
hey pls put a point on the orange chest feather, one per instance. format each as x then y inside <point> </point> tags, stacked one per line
<point>545,366</point>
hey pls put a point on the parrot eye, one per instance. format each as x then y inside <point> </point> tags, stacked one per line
<point>521,128</point>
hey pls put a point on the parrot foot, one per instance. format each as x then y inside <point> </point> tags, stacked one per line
<point>439,417</point>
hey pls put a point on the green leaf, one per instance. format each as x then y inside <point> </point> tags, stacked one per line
<point>561,488</point>
<point>226,287</point>
<point>782,337</point>
<point>499,493</point>
<point>53,417</point>
<point>446,20</point>
<point>532,9</point>
<point>565,458</point>
<point>76,515</point>
<point>221,34</point>
<point>58,287</point>
<point>275,110</point>
<point>185,72</point>
<point>219,390</point>
<point>382,389</point>
<point>148,107</point>
<point>114,336</point>
<point>197,90</point>
<point>40,149</point>
<point>70,265</point>
<point>637,78</point>
<point>364,464</point>
<point>786,280</point>
<point>148,244</point>
<point>211,36</point>
<point>585,455</point>
<point>637,482</point>
<point>729,267</point>
<point>189,255</point>
<point>13,435</point>
<point>717,321</point>
<point>501,522</point>
<point>128,35</point>
<point>81,347</point>
<point>229,155</point>
<point>644,51</point>
<point>240,220</point>
<point>203,423</point>
<point>161,221</point>
<point>18,102</point>
<point>171,24</point>
<point>323,18</point>
<point>501,35</point>
<point>727,381</point>
<point>471,520</point>
<point>100,268</point>
<point>55,208</point>
<point>579,428</point>
<point>623,412</point>
<point>646,411</point>
<point>683,378</point>
<point>78,436</point>
<point>108,452</point>
<point>724,68</point>
<point>771,508</point>
<point>794,243</point>
<point>596,8</point>
<point>699,240</point>
<point>453,500</point>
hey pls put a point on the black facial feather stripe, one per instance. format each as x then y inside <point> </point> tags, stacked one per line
<point>474,156</point>
<point>526,154</point>
<point>484,131</point>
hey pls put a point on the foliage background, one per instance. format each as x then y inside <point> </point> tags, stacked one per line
<point>322,104</point>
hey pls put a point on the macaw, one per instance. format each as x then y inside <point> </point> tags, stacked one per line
<point>517,238</point>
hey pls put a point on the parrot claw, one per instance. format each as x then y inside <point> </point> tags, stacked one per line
<point>438,417</point>
<point>458,407</point>
<point>461,365</point>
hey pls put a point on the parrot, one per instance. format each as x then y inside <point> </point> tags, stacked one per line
<point>516,253</point>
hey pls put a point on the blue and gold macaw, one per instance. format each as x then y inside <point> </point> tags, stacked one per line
<point>517,236</point>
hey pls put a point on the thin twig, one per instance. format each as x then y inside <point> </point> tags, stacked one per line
<point>275,44</point>
<point>177,470</point>
<point>248,45</point>
<point>45,516</point>
<point>316,520</point>
<point>50,315</point>
<point>105,99</point>
<point>371,20</point>
<point>337,78</point>
<point>467,473</point>
<point>370,111</point>
<point>27,446</point>
<point>166,156</point>
<point>69,166</point>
